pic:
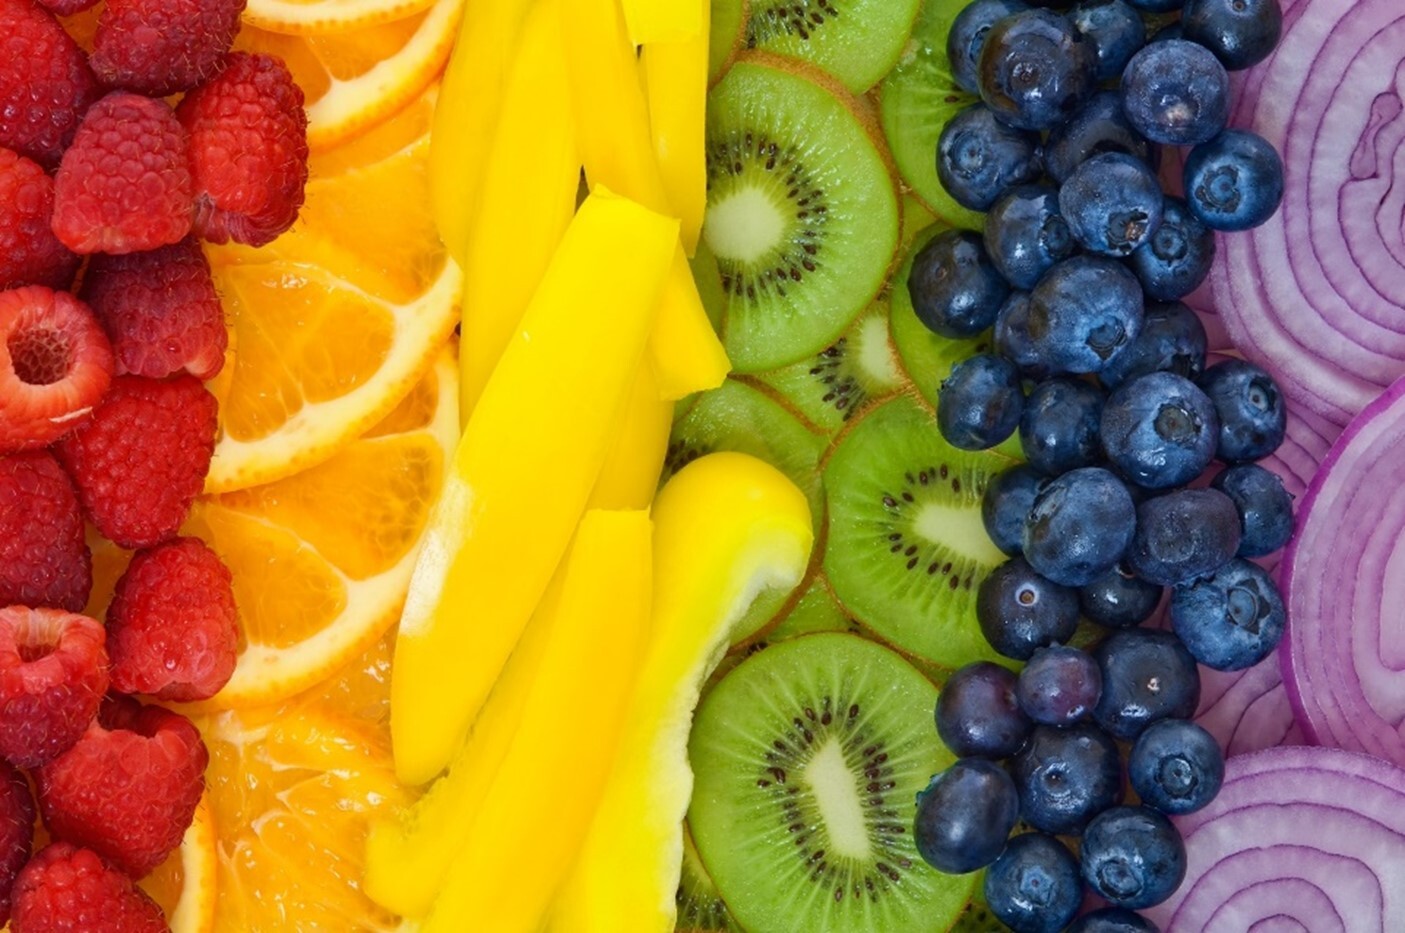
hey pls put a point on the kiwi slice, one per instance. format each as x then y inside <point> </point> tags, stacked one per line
<point>802,215</point>
<point>726,36</point>
<point>857,41</point>
<point>807,757</point>
<point>978,918</point>
<point>906,547</point>
<point>700,908</point>
<point>815,611</point>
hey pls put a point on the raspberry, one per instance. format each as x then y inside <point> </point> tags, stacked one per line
<point>141,459</point>
<point>129,787</point>
<point>55,364</point>
<point>16,831</point>
<point>248,150</point>
<point>171,626</point>
<point>65,889</point>
<point>30,254</point>
<point>45,83</point>
<point>160,310</point>
<point>44,559</point>
<point>67,7</point>
<point>123,185</point>
<point>53,673</point>
<point>161,47</point>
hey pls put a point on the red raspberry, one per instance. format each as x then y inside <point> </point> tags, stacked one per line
<point>160,310</point>
<point>55,364</point>
<point>129,787</point>
<point>30,254</point>
<point>124,184</point>
<point>53,673</point>
<point>65,889</point>
<point>248,150</point>
<point>16,831</point>
<point>44,559</point>
<point>171,627</point>
<point>45,83</point>
<point>161,47</point>
<point>141,459</point>
<point>67,7</point>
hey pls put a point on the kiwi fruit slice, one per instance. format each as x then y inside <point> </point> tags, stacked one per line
<point>977,918</point>
<point>857,41</point>
<point>802,215</point>
<point>700,908</point>
<point>815,611</point>
<point>726,35</point>
<point>906,549</point>
<point>807,758</point>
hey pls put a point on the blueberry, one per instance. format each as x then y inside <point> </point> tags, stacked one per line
<point>980,403</point>
<point>1083,312</point>
<point>1160,430</point>
<point>955,289</point>
<point>1099,126</point>
<point>1006,503</point>
<point>1253,418</point>
<point>1113,920</point>
<point>978,715</point>
<point>1116,31</point>
<point>1176,260</point>
<point>967,37</point>
<point>1025,234</point>
<point>1234,181</point>
<point>1171,30</point>
<point>1036,69</point>
<point>1059,686</point>
<point>1241,33</point>
<point>1176,92</point>
<point>979,158</point>
<point>1065,777</point>
<point>1013,340</point>
<point>1265,507</point>
<point>965,815</point>
<point>1231,620</point>
<point>1112,203</point>
<point>1148,675</point>
<point>1172,340</point>
<point>1019,611</point>
<point>1119,598</point>
<point>1184,535</point>
<point>1059,430</point>
<point>1033,887</point>
<point>1133,857</point>
<point>1157,6</point>
<point>1079,526</point>
<point>1176,767</point>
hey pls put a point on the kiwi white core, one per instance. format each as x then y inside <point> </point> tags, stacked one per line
<point>876,354</point>
<point>832,782</point>
<point>959,530</point>
<point>744,226</point>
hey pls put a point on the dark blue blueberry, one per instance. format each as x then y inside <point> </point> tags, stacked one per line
<point>1171,30</point>
<point>965,815</point>
<point>1176,766</point>
<point>1253,418</point>
<point>1025,235</point>
<point>1234,181</point>
<point>1241,33</point>
<point>1036,69</point>
<point>1116,30</point>
<point>967,37</point>
<point>1099,126</point>
<point>1006,503</point>
<point>1177,258</point>
<point>1231,620</point>
<point>1148,675</point>
<point>1059,686</point>
<point>978,715</point>
<point>1183,535</point>
<point>979,158</point>
<point>1133,857</point>
<point>1079,526</point>
<point>1265,507</point>
<point>1176,92</point>
<point>1172,340</point>
<point>1157,6</point>
<point>955,289</point>
<point>1065,777</point>
<point>1112,203</point>
<point>1113,920</point>
<point>1033,887</point>
<point>980,403</point>
<point>1013,340</point>
<point>1083,312</point>
<point>1020,612</point>
<point>1059,430</point>
<point>1119,599</point>
<point>1160,430</point>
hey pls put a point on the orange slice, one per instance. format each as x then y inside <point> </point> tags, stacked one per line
<point>185,884</point>
<point>319,17</point>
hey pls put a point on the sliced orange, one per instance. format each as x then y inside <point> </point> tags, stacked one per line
<point>185,885</point>
<point>319,17</point>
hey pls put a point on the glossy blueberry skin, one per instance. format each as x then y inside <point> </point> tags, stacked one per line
<point>1184,535</point>
<point>978,715</point>
<point>1079,526</point>
<point>1148,675</point>
<point>1253,417</point>
<point>1160,430</point>
<point>1112,203</point>
<point>980,403</point>
<point>1177,258</point>
<point>1061,425</point>
<point>1133,857</point>
<point>1172,340</point>
<point>1025,235</point>
<point>1116,31</point>
<point>1231,620</point>
<point>956,290</point>
<point>1036,69</point>
<point>1176,92</point>
<point>1265,507</point>
<point>1034,887</point>
<point>1059,686</point>
<point>1006,503</point>
<point>1119,599</point>
<point>1234,181</point>
<point>1020,612</point>
<point>1084,311</point>
<point>1065,777</point>
<point>965,815</point>
<point>1113,920</point>
<point>1176,767</point>
<point>1099,126</point>
<point>979,158</point>
<point>1241,33</point>
<point>1157,6</point>
<point>967,37</point>
<point>1013,340</point>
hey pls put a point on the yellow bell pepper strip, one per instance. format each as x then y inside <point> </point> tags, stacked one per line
<point>629,476</point>
<point>675,84</point>
<point>684,349</point>
<point>664,21</point>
